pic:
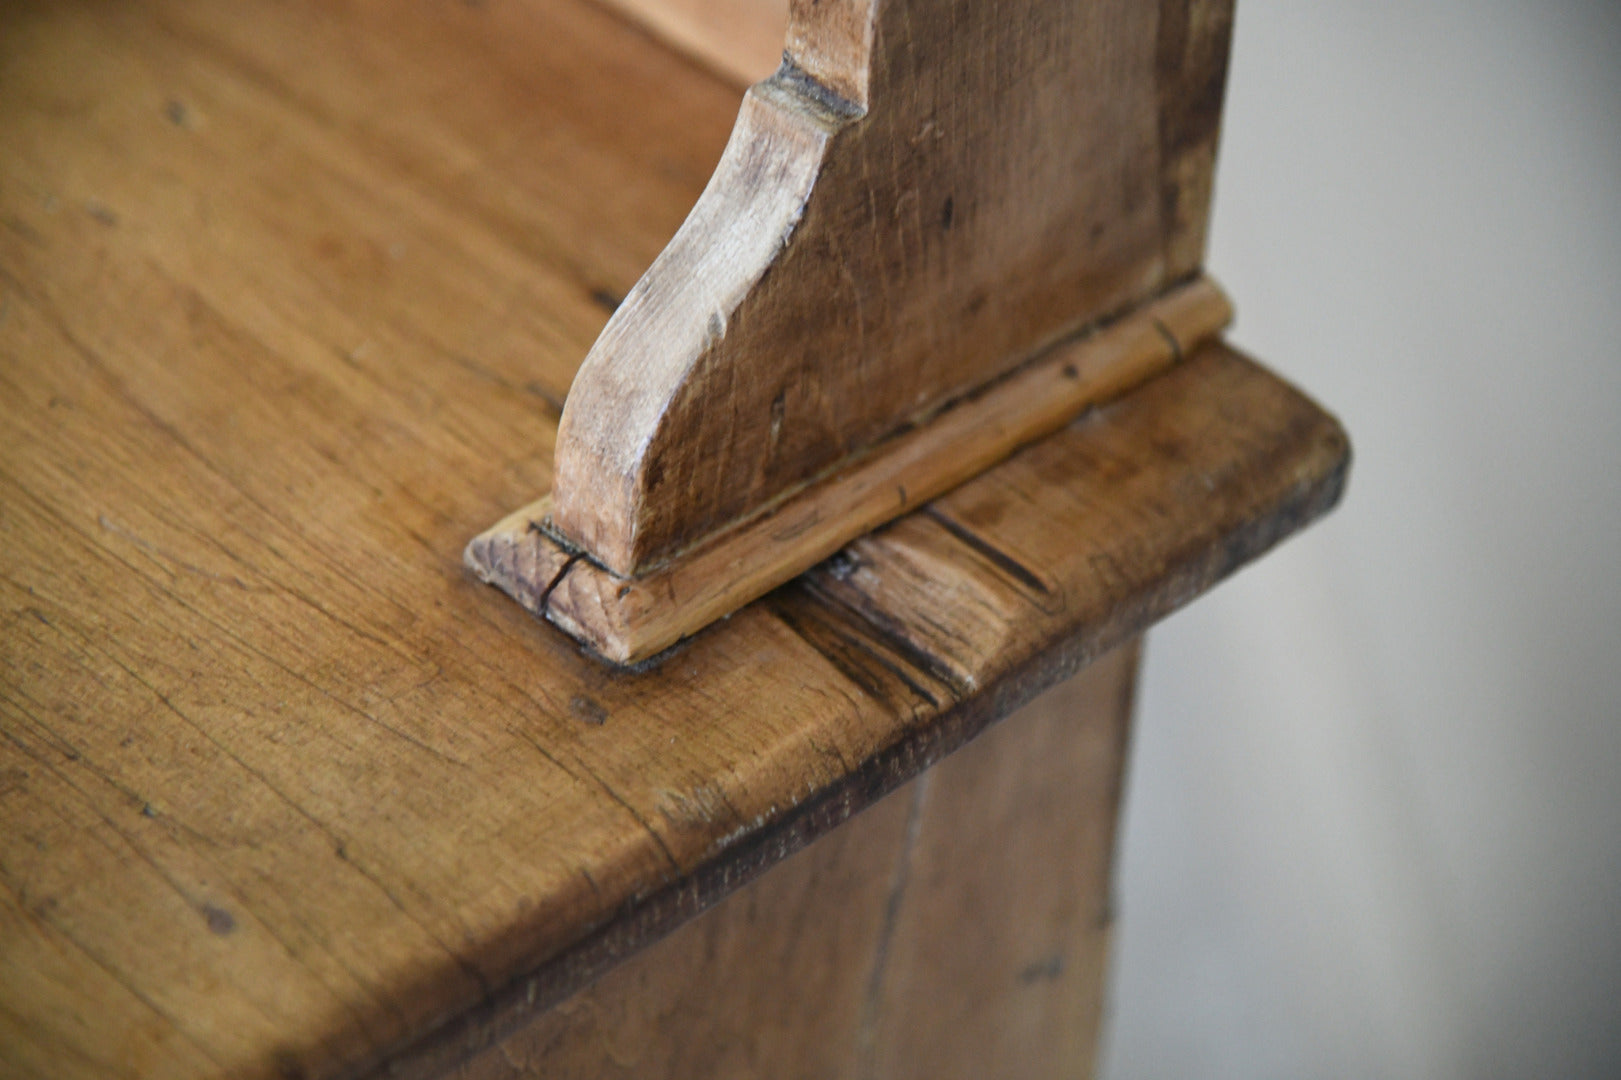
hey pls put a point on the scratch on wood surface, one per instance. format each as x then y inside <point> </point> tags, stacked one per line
<point>900,878</point>
<point>629,808</point>
<point>159,554</point>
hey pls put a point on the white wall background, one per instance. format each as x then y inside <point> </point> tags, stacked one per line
<point>1373,820</point>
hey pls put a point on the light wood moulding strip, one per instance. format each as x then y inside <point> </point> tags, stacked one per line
<point>628,620</point>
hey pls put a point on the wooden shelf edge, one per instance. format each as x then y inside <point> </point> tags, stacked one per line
<point>1151,501</point>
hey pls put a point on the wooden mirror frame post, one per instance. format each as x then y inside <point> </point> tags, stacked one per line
<point>939,232</point>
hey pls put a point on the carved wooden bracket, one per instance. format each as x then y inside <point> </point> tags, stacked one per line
<point>928,198</point>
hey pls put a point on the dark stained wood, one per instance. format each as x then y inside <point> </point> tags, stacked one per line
<point>288,294</point>
<point>957,928</point>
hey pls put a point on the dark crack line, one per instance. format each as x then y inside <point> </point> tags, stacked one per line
<point>993,554</point>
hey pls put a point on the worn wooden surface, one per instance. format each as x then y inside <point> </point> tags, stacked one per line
<point>957,928</point>
<point>288,294</point>
<point>926,195</point>
<point>630,620</point>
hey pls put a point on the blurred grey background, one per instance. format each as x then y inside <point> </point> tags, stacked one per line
<point>1373,821</point>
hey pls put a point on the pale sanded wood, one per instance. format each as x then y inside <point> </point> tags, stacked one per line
<point>741,40</point>
<point>286,291</point>
<point>926,195</point>
<point>630,620</point>
<point>957,928</point>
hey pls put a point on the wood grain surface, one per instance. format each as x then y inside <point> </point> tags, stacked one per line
<point>929,193</point>
<point>958,928</point>
<point>289,294</point>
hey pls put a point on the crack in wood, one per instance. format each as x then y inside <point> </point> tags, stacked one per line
<point>850,639</point>
<point>989,551</point>
<point>900,879</point>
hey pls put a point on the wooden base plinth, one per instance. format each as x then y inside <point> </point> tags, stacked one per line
<point>628,620</point>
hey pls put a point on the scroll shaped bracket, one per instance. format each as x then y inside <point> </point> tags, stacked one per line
<point>927,197</point>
